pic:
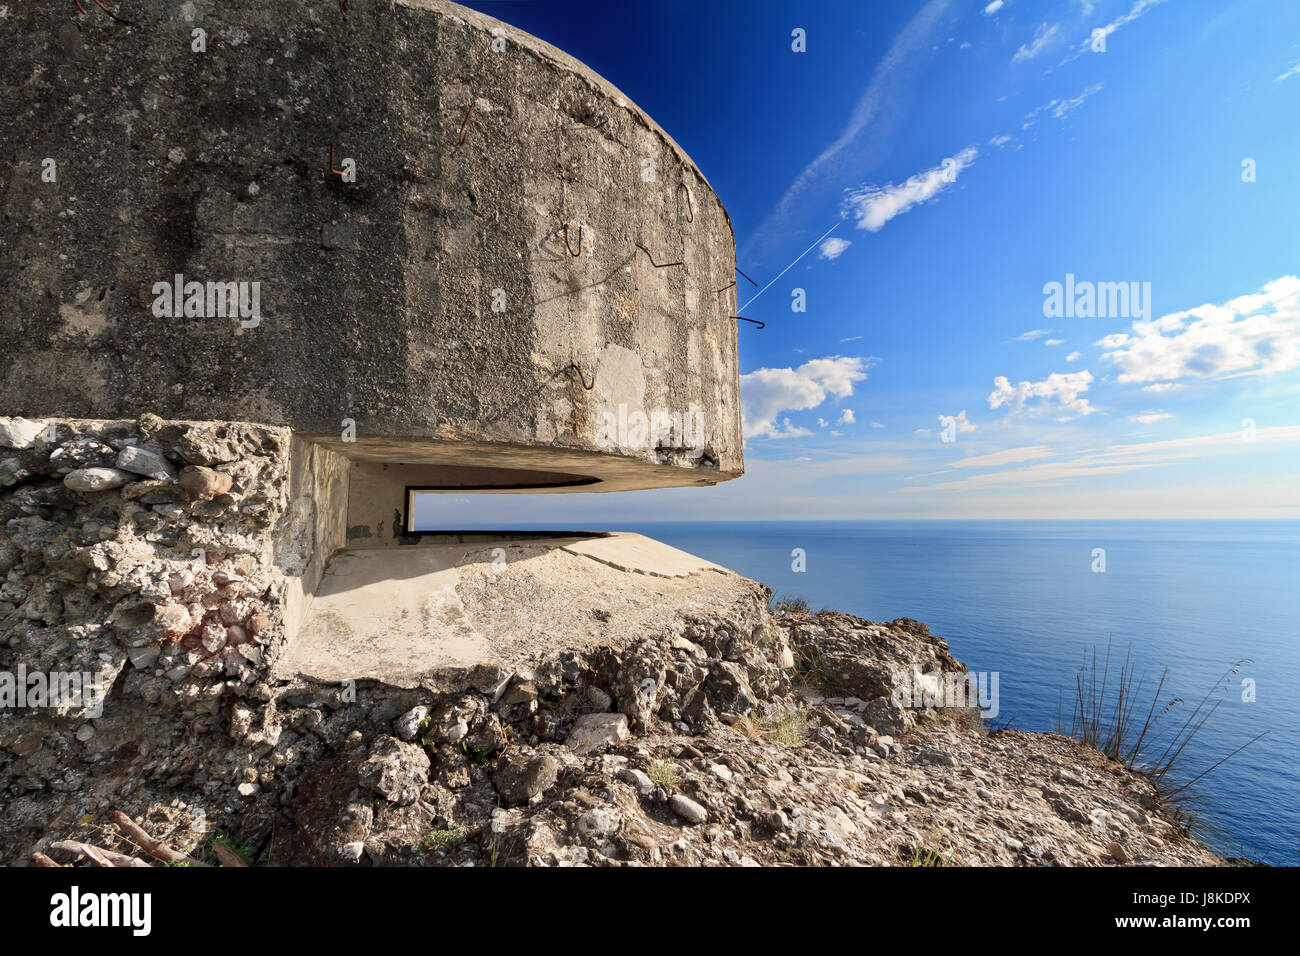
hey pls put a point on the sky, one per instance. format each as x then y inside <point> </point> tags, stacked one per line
<point>918,177</point>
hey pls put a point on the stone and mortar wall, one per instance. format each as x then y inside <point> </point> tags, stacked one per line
<point>155,555</point>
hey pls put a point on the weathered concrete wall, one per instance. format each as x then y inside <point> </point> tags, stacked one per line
<point>315,524</point>
<point>376,296</point>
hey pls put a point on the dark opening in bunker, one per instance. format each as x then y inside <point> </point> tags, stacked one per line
<point>509,481</point>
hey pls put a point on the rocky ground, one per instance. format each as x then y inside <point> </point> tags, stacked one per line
<point>159,554</point>
<point>719,745</point>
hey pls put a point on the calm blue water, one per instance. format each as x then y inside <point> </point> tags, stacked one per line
<point>1021,598</point>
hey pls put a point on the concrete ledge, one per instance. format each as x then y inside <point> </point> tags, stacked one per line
<point>422,614</point>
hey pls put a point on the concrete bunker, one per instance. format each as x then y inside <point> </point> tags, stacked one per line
<point>523,285</point>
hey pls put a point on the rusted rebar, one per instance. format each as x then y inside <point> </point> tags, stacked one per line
<point>565,230</point>
<point>657,265</point>
<point>582,378</point>
<point>461,141</point>
<point>101,6</point>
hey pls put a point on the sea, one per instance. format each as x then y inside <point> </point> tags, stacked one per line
<point>1214,606</point>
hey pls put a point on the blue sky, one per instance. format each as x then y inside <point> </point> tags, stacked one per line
<point>964,155</point>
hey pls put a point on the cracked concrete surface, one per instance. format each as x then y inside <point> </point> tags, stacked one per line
<point>411,615</point>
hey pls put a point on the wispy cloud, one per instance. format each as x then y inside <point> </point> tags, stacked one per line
<point>994,7</point>
<point>1139,8</point>
<point>874,206</point>
<point>1115,459</point>
<point>1151,416</point>
<point>899,64</point>
<point>1044,37</point>
<point>1031,335</point>
<point>1007,456</point>
<point>1060,109</point>
<point>1293,71</point>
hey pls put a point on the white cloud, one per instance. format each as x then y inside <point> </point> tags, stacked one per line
<point>846,417</point>
<point>994,7</point>
<point>1151,416</point>
<point>906,57</point>
<point>873,206</point>
<point>1072,356</point>
<point>766,393</point>
<point>838,373</point>
<point>1161,387</point>
<point>1044,37</point>
<point>1114,460</point>
<point>877,425</point>
<point>1065,389</point>
<point>1032,334</point>
<point>1054,342</point>
<point>1000,140</point>
<point>786,430</point>
<point>957,421</point>
<point>1008,456</point>
<point>1252,334</point>
<point>1063,108</point>
<point>822,423</point>
<point>1293,71</point>
<point>865,480</point>
<point>1139,8</point>
<point>851,338</point>
<point>1060,109</point>
<point>1086,7</point>
<point>834,247</point>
